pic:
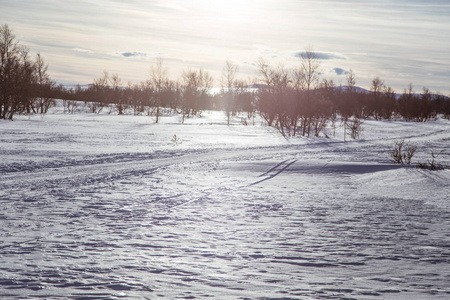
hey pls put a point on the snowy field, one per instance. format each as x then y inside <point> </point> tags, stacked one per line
<point>111,207</point>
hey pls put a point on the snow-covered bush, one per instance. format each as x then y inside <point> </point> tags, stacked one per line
<point>175,140</point>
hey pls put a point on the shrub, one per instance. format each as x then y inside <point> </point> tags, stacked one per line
<point>355,127</point>
<point>176,140</point>
<point>403,152</point>
<point>432,164</point>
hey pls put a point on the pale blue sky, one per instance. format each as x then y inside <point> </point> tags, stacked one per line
<point>399,41</point>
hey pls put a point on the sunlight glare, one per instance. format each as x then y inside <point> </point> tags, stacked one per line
<point>226,8</point>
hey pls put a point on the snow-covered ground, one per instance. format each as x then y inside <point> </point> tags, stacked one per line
<point>106,206</point>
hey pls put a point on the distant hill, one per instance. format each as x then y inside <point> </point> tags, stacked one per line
<point>397,95</point>
<point>357,89</point>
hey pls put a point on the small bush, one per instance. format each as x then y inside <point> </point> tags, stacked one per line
<point>70,106</point>
<point>431,164</point>
<point>354,127</point>
<point>176,140</point>
<point>403,152</point>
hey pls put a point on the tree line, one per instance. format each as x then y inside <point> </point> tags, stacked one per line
<point>25,86</point>
<point>294,100</point>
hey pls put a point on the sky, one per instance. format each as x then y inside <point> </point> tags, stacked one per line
<point>399,41</point>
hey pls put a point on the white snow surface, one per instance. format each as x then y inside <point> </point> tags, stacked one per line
<point>109,207</point>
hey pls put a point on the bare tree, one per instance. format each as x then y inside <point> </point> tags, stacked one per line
<point>375,105</point>
<point>195,91</point>
<point>405,104</point>
<point>309,68</point>
<point>229,74</point>
<point>9,52</point>
<point>44,85</point>
<point>377,85</point>
<point>245,100</point>
<point>17,75</point>
<point>100,93</point>
<point>425,109</point>
<point>159,81</point>
<point>286,100</point>
<point>272,98</point>
<point>306,78</point>
<point>115,82</point>
<point>228,84</point>
<point>351,81</point>
<point>133,97</point>
<point>349,95</point>
<point>25,82</point>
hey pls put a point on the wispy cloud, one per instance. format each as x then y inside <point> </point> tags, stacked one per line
<point>82,50</point>
<point>322,55</point>
<point>340,71</point>
<point>134,54</point>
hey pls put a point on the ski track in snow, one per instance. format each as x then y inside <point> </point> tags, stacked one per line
<point>295,219</point>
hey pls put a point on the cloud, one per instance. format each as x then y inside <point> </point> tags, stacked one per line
<point>82,50</point>
<point>322,55</point>
<point>133,54</point>
<point>340,71</point>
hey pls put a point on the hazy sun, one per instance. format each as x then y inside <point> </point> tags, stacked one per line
<point>226,8</point>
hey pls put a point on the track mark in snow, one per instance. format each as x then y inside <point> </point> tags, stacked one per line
<point>274,171</point>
